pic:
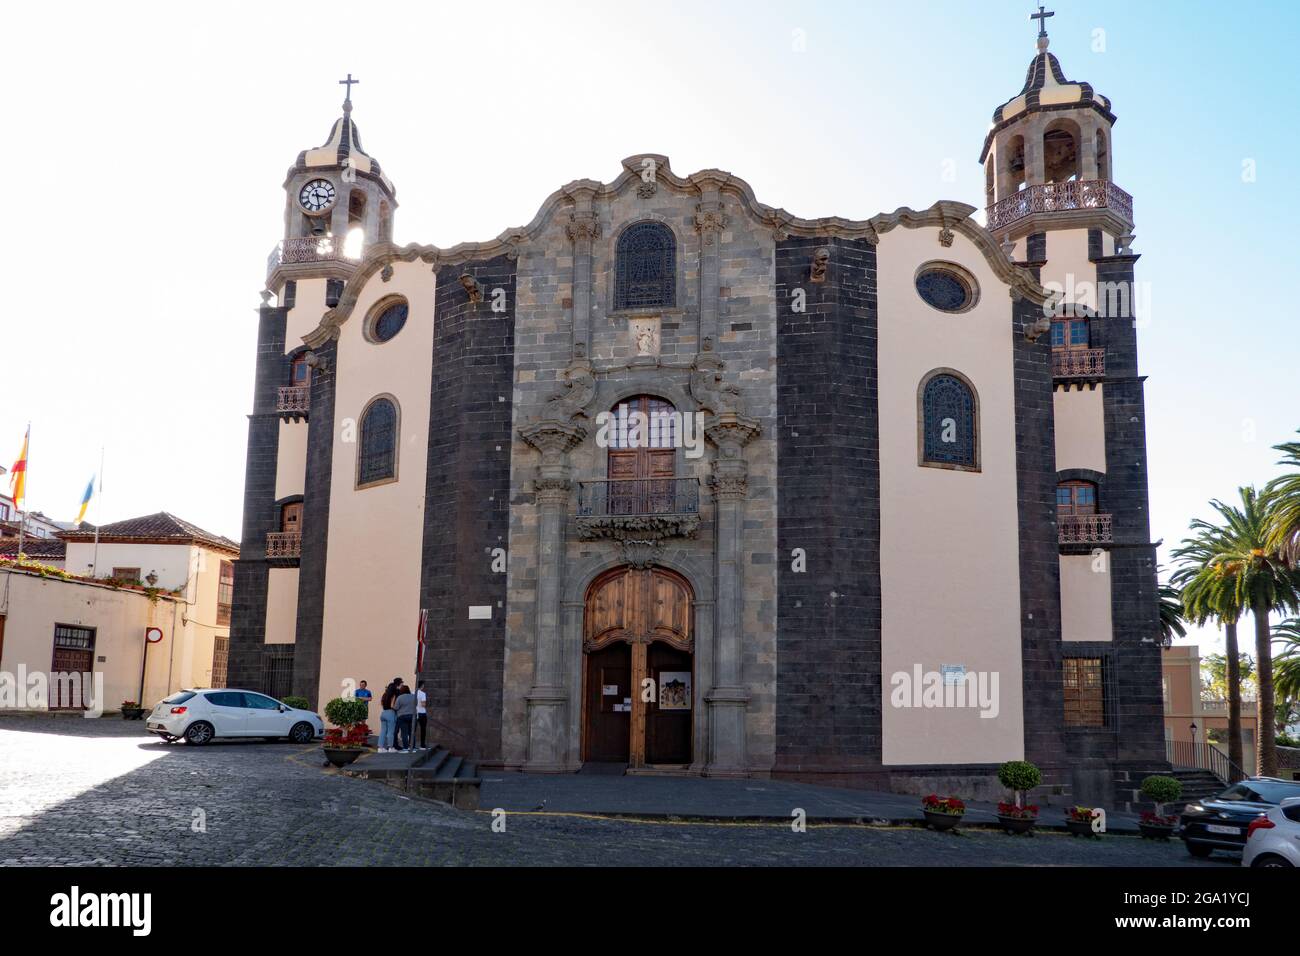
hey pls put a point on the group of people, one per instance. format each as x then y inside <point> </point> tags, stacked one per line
<point>401,713</point>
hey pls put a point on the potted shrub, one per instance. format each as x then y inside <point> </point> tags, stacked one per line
<point>1078,820</point>
<point>349,738</point>
<point>1159,790</point>
<point>131,710</point>
<point>942,813</point>
<point>297,703</point>
<point>1018,776</point>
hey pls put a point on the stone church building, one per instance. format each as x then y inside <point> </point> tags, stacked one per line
<point>690,484</point>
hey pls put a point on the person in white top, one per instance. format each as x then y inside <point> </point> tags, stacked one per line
<point>422,714</point>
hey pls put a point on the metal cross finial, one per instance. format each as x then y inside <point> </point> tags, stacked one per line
<point>1041,16</point>
<point>349,81</point>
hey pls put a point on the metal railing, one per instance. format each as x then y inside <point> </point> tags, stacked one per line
<point>1083,529</point>
<point>1202,755</point>
<point>1079,363</point>
<point>284,544</point>
<point>295,399</point>
<point>307,249</point>
<point>1061,197</point>
<point>639,496</point>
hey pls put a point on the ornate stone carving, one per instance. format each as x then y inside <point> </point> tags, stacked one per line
<point>472,288</point>
<point>386,272</point>
<point>709,221</point>
<point>576,392</point>
<point>553,438</point>
<point>646,189</point>
<point>945,237</point>
<point>640,528</point>
<point>641,554</point>
<point>551,489</point>
<point>583,226</point>
<point>1034,330</point>
<point>708,386</point>
<point>644,332</point>
<point>820,264</point>
<point>731,432</point>
<point>728,485</point>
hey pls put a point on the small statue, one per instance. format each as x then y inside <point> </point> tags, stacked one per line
<point>472,288</point>
<point>821,262</point>
<point>710,389</point>
<point>575,394</point>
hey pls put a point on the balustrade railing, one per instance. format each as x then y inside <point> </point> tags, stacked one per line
<point>284,544</point>
<point>1084,529</point>
<point>1079,363</point>
<point>1202,755</point>
<point>294,398</point>
<point>639,496</point>
<point>308,249</point>
<point>1061,197</point>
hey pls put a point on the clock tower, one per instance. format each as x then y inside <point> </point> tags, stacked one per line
<point>337,202</point>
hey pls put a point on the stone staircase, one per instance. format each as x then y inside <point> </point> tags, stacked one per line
<point>1197,785</point>
<point>435,773</point>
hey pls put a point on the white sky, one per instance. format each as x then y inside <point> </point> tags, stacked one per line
<point>147,144</point>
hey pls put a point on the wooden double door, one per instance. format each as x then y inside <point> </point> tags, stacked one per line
<point>638,674</point>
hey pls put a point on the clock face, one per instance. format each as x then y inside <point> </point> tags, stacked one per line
<point>317,195</point>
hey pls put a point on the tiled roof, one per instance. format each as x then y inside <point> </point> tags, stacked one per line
<point>50,548</point>
<point>161,527</point>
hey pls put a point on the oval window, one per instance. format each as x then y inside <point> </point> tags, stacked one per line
<point>388,320</point>
<point>945,289</point>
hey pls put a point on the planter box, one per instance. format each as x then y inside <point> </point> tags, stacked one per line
<point>132,713</point>
<point>941,821</point>
<point>1080,827</point>
<point>1155,831</point>
<point>340,756</point>
<point>1017,824</point>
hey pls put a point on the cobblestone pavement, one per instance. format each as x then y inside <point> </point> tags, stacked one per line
<point>75,791</point>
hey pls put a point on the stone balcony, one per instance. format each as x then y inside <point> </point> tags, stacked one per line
<point>1078,365</point>
<point>1086,530</point>
<point>293,402</point>
<point>1098,195</point>
<point>284,547</point>
<point>640,508</point>
<point>309,251</point>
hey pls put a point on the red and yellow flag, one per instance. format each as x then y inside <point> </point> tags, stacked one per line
<point>18,474</point>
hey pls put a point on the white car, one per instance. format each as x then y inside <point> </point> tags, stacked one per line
<point>1273,838</point>
<point>200,715</point>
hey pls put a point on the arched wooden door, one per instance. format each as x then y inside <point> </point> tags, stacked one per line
<point>637,626</point>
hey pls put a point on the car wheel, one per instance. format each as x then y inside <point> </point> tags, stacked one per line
<point>199,733</point>
<point>1272,861</point>
<point>302,733</point>
<point>1199,849</point>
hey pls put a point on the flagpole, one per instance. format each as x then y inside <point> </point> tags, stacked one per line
<point>99,503</point>
<point>22,513</point>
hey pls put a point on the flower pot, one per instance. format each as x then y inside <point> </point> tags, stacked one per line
<point>941,821</point>
<point>341,756</point>
<point>1079,827</point>
<point>1017,824</point>
<point>132,713</point>
<point>1156,831</point>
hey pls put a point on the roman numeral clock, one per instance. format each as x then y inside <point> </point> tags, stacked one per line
<point>316,196</point>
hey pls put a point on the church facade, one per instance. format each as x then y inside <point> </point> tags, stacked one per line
<point>674,479</point>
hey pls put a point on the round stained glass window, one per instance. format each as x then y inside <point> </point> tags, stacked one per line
<point>945,289</point>
<point>389,321</point>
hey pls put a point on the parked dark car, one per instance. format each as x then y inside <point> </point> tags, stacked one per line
<point>1221,823</point>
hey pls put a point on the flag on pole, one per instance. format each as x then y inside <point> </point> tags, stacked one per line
<point>18,474</point>
<point>420,642</point>
<point>85,499</point>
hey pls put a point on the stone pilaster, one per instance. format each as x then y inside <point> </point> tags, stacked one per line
<point>583,229</point>
<point>709,223</point>
<point>548,700</point>
<point>728,698</point>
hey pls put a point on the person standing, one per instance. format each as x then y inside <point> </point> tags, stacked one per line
<point>363,693</point>
<point>387,718</point>
<point>404,705</point>
<point>422,714</point>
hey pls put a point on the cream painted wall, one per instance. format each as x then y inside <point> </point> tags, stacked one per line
<point>1085,597</point>
<point>282,606</point>
<point>372,577</point>
<point>1080,428</point>
<point>171,562</point>
<point>1069,267</point>
<point>309,306</point>
<point>291,460</point>
<point>950,574</point>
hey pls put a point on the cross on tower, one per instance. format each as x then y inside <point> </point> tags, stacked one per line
<point>1041,16</point>
<point>349,81</point>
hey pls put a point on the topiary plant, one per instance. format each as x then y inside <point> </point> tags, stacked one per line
<point>1019,776</point>
<point>1161,790</point>
<point>346,711</point>
<point>298,703</point>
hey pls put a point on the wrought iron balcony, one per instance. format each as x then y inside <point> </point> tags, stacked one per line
<point>1079,364</point>
<point>1084,529</point>
<point>1061,197</point>
<point>308,249</point>
<point>642,508</point>
<point>284,545</point>
<point>293,401</point>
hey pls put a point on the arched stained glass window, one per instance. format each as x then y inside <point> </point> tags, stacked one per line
<point>949,422</point>
<point>646,267</point>
<point>377,449</point>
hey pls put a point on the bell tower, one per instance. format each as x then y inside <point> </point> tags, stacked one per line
<point>338,202</point>
<point>1048,157</point>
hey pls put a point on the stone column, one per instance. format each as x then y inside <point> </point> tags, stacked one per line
<point>583,229</point>
<point>1035,168</point>
<point>548,744</point>
<point>709,223</point>
<point>728,698</point>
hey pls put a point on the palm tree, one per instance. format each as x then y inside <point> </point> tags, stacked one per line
<point>1286,665</point>
<point>1264,584</point>
<point>1171,612</point>
<point>1282,496</point>
<point>1209,591</point>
